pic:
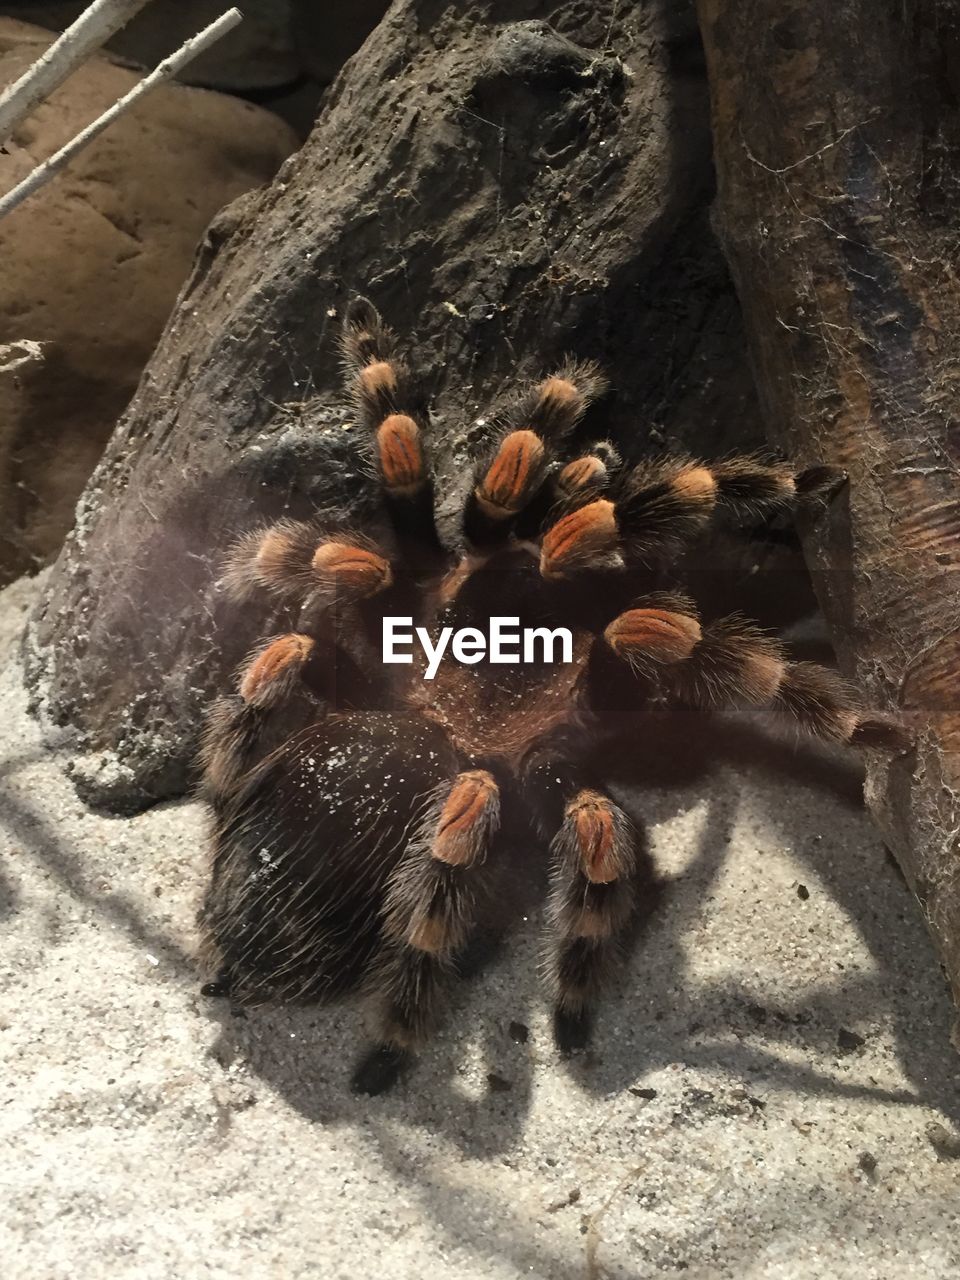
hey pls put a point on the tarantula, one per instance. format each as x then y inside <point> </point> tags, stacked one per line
<point>361,809</point>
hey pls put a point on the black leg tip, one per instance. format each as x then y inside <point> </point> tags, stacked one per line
<point>572,1031</point>
<point>361,314</point>
<point>821,483</point>
<point>883,735</point>
<point>379,1070</point>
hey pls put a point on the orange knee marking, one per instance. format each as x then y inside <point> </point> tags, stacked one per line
<point>429,933</point>
<point>274,662</point>
<point>401,455</point>
<point>354,570</point>
<point>378,378</point>
<point>273,554</point>
<point>653,633</point>
<point>461,825</point>
<point>697,484</point>
<point>846,721</point>
<point>560,393</point>
<point>580,539</point>
<point>592,924</point>
<point>595,834</point>
<point>512,474</point>
<point>762,676</point>
<point>582,472</point>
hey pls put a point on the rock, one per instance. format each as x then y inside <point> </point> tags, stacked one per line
<point>93,264</point>
<point>579,225</point>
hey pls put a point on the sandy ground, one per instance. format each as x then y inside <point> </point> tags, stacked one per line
<point>771,1091</point>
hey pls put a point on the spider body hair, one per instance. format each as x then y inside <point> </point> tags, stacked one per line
<point>362,814</point>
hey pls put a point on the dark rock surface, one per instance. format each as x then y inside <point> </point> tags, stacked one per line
<point>505,191</point>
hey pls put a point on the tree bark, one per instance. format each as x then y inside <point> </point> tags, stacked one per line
<point>505,191</point>
<point>837,142</point>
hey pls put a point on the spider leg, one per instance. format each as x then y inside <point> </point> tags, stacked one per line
<point>241,728</point>
<point>305,842</point>
<point>658,508</point>
<point>572,484</point>
<point>595,852</point>
<point>588,474</point>
<point>513,476</point>
<point>664,504</point>
<point>734,663</point>
<point>729,663</point>
<point>431,906</point>
<point>393,410</point>
<point>625,665</point>
<point>299,561</point>
<point>341,582</point>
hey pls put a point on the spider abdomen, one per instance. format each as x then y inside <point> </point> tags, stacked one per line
<point>304,851</point>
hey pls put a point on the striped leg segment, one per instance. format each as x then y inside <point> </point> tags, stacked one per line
<point>595,854</point>
<point>237,732</point>
<point>626,662</point>
<point>737,664</point>
<point>662,506</point>
<point>586,538</point>
<point>662,629</point>
<point>591,902</point>
<point>392,409</point>
<point>430,910</point>
<point>587,476</point>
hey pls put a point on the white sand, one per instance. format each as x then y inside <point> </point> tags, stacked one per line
<point>143,1134</point>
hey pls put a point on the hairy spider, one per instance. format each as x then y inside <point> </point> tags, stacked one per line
<point>361,809</point>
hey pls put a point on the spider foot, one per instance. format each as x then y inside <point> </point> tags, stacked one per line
<point>218,988</point>
<point>379,1069</point>
<point>572,1030</point>
<point>821,482</point>
<point>736,664</point>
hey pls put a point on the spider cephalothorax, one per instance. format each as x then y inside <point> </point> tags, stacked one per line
<point>361,809</point>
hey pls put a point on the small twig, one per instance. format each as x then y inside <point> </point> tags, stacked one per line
<point>92,29</point>
<point>164,71</point>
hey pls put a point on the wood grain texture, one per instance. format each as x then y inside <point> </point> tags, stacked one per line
<point>837,137</point>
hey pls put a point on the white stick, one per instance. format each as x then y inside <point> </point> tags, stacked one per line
<point>164,71</point>
<point>92,29</point>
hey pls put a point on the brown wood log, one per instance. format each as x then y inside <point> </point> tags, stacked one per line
<point>504,190</point>
<point>837,136</point>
